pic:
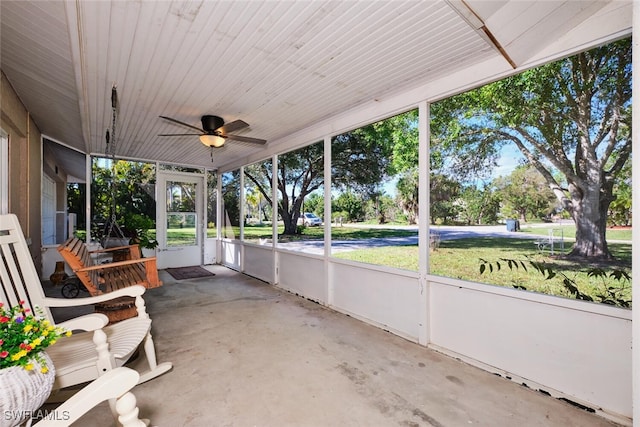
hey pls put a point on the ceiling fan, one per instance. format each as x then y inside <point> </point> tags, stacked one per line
<point>214,131</point>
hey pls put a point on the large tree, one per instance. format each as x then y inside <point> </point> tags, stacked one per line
<point>443,198</point>
<point>231,201</point>
<point>523,193</point>
<point>620,208</point>
<point>570,118</point>
<point>299,173</point>
<point>479,205</point>
<point>407,188</point>
<point>121,190</point>
<point>359,161</point>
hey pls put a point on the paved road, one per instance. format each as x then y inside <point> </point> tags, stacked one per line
<point>445,233</point>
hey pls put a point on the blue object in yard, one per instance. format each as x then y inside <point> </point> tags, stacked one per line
<point>512,225</point>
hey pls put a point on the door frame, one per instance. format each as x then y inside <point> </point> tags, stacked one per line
<point>169,257</point>
<point>4,172</point>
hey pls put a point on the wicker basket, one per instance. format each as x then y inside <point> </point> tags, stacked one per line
<point>24,392</point>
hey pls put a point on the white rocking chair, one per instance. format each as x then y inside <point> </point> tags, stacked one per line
<point>115,384</point>
<point>84,356</point>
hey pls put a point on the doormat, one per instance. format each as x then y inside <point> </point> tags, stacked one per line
<point>193,272</point>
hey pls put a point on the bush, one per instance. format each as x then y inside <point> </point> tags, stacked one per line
<point>339,216</point>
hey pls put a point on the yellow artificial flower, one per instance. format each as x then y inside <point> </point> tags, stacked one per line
<point>19,355</point>
<point>68,333</point>
<point>29,335</point>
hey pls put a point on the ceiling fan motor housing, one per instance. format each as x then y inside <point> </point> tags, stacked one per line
<point>211,123</point>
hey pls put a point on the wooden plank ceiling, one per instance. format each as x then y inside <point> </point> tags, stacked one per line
<point>281,66</point>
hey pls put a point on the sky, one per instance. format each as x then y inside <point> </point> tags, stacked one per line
<point>510,156</point>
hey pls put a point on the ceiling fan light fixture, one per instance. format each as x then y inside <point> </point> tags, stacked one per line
<point>212,140</point>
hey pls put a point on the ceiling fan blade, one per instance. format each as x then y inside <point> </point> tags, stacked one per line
<point>182,123</point>
<point>179,134</point>
<point>232,126</point>
<point>246,139</point>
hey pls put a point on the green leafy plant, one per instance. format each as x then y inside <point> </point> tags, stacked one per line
<point>606,294</point>
<point>24,336</point>
<point>137,227</point>
<point>614,295</point>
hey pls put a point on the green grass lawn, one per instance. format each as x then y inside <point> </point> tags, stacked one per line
<point>569,231</point>
<point>461,258</point>
<point>403,257</point>
<point>255,232</point>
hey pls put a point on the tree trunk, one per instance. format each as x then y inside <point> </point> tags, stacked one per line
<point>290,222</point>
<point>290,227</point>
<point>588,211</point>
<point>290,218</point>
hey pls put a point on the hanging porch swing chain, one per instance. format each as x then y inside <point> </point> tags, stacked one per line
<point>111,153</point>
<point>114,104</point>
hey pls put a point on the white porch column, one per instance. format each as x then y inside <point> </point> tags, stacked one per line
<point>88,173</point>
<point>424,135</point>
<point>328,277</point>
<point>274,219</point>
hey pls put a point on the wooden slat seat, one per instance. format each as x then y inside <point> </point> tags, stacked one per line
<point>109,277</point>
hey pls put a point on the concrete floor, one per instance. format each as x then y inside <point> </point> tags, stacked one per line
<point>248,354</point>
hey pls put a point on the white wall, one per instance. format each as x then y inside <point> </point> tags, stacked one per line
<point>258,261</point>
<point>302,274</point>
<point>386,299</point>
<point>579,348</point>
<point>48,211</point>
<point>230,255</point>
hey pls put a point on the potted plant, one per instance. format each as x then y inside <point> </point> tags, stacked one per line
<point>136,227</point>
<point>26,372</point>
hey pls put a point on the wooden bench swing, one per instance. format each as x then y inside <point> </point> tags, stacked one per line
<point>99,278</point>
<point>127,267</point>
